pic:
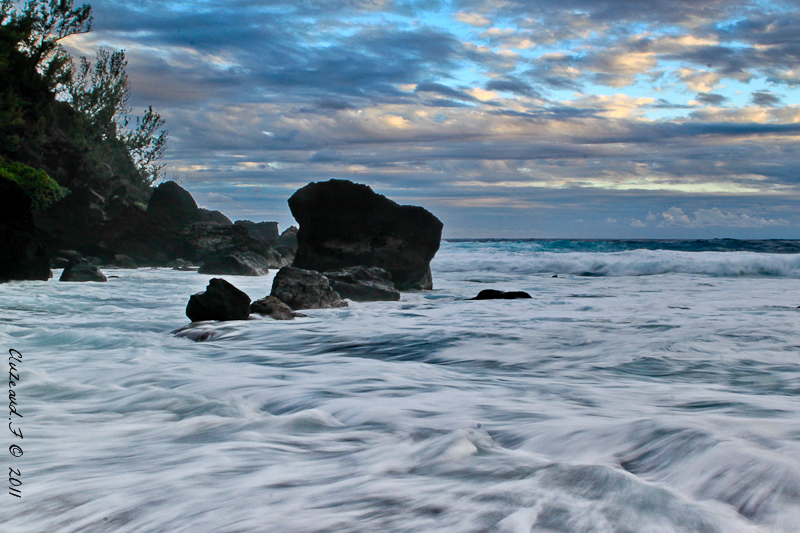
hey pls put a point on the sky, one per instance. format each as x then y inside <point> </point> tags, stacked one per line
<point>504,118</point>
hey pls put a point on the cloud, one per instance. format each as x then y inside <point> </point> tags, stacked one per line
<point>711,99</point>
<point>765,99</point>
<point>675,216</point>
<point>473,19</point>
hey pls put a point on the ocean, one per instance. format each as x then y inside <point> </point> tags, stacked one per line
<point>647,387</point>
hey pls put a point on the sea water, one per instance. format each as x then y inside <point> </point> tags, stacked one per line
<point>649,387</point>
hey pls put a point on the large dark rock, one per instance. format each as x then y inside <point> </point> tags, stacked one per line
<point>305,289</point>
<point>344,224</point>
<point>23,255</point>
<point>236,264</point>
<point>82,270</point>
<point>262,231</point>
<point>220,301</point>
<point>491,294</point>
<point>173,204</point>
<point>363,284</point>
<point>205,215</point>
<point>274,308</point>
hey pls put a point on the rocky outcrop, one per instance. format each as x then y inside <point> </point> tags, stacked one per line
<point>262,231</point>
<point>173,205</point>
<point>363,284</point>
<point>220,301</point>
<point>205,215</point>
<point>305,289</point>
<point>23,255</point>
<point>343,224</point>
<point>274,308</point>
<point>236,264</point>
<point>491,294</point>
<point>288,239</point>
<point>82,270</point>
<point>209,242</point>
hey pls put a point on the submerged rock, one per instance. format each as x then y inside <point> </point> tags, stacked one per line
<point>344,224</point>
<point>272,307</point>
<point>363,284</point>
<point>305,289</point>
<point>236,264</point>
<point>220,301</point>
<point>23,255</point>
<point>82,270</point>
<point>491,294</point>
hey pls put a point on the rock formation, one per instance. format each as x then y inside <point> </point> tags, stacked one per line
<point>173,205</point>
<point>363,284</point>
<point>220,301</point>
<point>274,308</point>
<point>23,255</point>
<point>305,289</point>
<point>262,231</point>
<point>236,264</point>
<point>82,270</point>
<point>491,294</point>
<point>343,224</point>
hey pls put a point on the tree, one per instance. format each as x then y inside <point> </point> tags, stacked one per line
<point>101,93</point>
<point>40,25</point>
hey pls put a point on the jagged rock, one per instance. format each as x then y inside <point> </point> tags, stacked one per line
<point>344,224</point>
<point>204,241</point>
<point>363,284</point>
<point>305,289</point>
<point>491,294</point>
<point>220,301</point>
<point>23,255</point>
<point>262,231</point>
<point>272,307</point>
<point>175,264</point>
<point>216,217</point>
<point>172,203</point>
<point>123,261</point>
<point>288,239</point>
<point>82,270</point>
<point>236,264</point>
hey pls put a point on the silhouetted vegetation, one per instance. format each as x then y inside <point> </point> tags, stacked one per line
<point>70,123</point>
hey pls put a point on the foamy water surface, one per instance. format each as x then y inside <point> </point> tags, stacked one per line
<point>639,391</point>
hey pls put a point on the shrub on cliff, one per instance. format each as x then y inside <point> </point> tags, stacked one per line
<point>38,186</point>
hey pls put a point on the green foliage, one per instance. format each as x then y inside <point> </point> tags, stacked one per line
<point>40,188</point>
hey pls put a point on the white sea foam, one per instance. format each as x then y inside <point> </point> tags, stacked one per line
<point>625,402</point>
